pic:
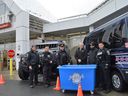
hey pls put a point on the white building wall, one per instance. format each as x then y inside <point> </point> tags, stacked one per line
<point>108,8</point>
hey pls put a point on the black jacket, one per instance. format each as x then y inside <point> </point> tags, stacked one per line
<point>63,57</point>
<point>46,57</point>
<point>103,57</point>
<point>33,58</point>
<point>81,54</point>
<point>92,56</point>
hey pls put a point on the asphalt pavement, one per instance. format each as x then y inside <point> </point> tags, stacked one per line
<point>21,88</point>
<point>16,87</point>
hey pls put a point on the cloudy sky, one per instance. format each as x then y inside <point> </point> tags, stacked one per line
<point>66,8</point>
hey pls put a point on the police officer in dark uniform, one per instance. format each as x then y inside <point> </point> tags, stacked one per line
<point>103,61</point>
<point>46,61</point>
<point>63,57</point>
<point>34,64</point>
<point>92,54</point>
<point>81,54</point>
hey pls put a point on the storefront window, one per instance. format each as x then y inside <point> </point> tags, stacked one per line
<point>2,9</point>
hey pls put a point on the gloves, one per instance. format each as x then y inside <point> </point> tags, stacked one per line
<point>68,63</point>
<point>79,60</point>
<point>106,66</point>
<point>30,67</point>
<point>50,61</point>
<point>39,66</point>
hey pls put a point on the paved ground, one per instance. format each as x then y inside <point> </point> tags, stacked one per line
<point>21,88</point>
<point>15,87</point>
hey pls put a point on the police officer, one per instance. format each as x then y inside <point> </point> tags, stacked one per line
<point>103,61</point>
<point>33,62</point>
<point>63,57</point>
<point>81,54</point>
<point>92,54</point>
<point>46,61</point>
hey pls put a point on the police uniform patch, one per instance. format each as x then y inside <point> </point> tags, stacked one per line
<point>49,56</point>
<point>108,52</point>
<point>42,55</point>
<point>99,53</point>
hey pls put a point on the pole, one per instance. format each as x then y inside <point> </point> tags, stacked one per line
<point>11,67</point>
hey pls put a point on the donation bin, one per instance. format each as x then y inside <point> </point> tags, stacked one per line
<point>72,75</point>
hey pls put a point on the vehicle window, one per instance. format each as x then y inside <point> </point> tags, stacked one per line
<point>127,27</point>
<point>107,35</point>
<point>95,37</point>
<point>118,33</point>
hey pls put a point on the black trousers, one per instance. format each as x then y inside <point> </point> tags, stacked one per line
<point>47,74</point>
<point>104,78</point>
<point>33,75</point>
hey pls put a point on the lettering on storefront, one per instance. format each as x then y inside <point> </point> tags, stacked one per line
<point>5,21</point>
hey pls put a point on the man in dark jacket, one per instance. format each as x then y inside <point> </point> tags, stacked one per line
<point>81,54</point>
<point>33,62</point>
<point>103,61</point>
<point>46,61</point>
<point>92,54</point>
<point>63,57</point>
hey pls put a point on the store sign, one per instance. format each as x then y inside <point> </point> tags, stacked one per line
<point>5,25</point>
<point>4,21</point>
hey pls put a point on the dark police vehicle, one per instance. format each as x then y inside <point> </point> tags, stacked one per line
<point>114,33</point>
<point>23,70</point>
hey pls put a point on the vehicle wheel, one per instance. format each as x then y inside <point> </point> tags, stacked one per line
<point>23,75</point>
<point>117,81</point>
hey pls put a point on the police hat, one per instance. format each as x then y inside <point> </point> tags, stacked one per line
<point>61,45</point>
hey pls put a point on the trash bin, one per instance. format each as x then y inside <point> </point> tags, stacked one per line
<point>72,75</point>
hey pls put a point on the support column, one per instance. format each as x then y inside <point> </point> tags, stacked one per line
<point>91,28</point>
<point>22,35</point>
<point>43,36</point>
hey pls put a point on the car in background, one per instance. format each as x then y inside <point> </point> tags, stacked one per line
<point>23,70</point>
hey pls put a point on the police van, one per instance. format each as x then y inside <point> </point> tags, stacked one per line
<point>53,45</point>
<point>114,33</point>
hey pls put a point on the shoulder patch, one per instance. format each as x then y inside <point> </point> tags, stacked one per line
<point>108,52</point>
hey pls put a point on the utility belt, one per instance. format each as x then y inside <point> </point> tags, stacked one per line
<point>33,63</point>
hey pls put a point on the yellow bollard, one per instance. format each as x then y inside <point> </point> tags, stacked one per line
<point>11,67</point>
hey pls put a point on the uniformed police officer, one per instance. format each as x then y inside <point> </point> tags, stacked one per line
<point>92,54</point>
<point>63,57</point>
<point>81,54</point>
<point>33,62</point>
<point>103,61</point>
<point>46,61</point>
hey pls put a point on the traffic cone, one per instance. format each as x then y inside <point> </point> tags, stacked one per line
<point>57,88</point>
<point>2,81</point>
<point>80,92</point>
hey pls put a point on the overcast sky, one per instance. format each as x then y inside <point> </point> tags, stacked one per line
<point>66,8</point>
